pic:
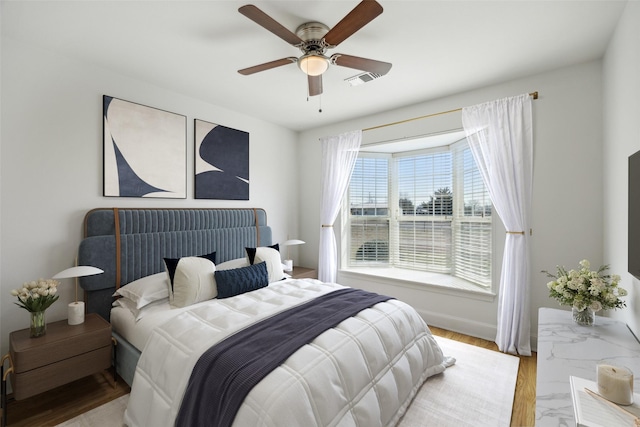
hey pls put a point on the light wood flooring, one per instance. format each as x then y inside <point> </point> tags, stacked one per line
<point>68,401</point>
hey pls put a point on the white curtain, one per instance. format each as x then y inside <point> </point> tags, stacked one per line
<point>501,139</point>
<point>339,154</point>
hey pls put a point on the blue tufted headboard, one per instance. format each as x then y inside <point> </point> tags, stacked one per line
<point>131,243</point>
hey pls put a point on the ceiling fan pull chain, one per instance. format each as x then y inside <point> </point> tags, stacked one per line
<point>320,101</point>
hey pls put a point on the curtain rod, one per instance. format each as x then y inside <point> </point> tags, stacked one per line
<point>534,95</point>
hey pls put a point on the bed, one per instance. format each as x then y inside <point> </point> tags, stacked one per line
<point>363,368</point>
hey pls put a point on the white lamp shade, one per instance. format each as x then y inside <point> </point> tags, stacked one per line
<point>313,64</point>
<point>79,271</point>
<point>289,262</point>
<point>75,310</point>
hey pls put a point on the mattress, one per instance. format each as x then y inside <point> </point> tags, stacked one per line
<point>373,363</point>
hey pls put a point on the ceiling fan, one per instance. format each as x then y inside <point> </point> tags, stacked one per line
<point>314,38</point>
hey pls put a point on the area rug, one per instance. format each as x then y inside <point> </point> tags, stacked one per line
<point>108,415</point>
<point>477,391</point>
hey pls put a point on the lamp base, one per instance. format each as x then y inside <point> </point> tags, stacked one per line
<point>75,313</point>
<point>287,265</point>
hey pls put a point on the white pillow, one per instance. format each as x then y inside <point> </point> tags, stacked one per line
<point>139,313</point>
<point>193,281</point>
<point>232,263</point>
<point>145,290</point>
<point>272,258</point>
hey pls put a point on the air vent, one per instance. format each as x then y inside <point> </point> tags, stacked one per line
<point>362,78</point>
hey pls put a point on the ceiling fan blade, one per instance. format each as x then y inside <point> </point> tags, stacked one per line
<point>360,16</point>
<point>268,65</point>
<point>264,20</point>
<point>363,64</point>
<point>315,85</point>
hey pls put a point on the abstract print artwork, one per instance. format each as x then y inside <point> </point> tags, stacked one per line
<point>145,151</point>
<point>221,162</point>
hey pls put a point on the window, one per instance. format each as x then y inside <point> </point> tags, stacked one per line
<point>424,210</point>
<point>369,211</point>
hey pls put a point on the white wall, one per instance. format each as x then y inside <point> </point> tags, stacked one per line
<point>51,170</point>
<point>621,77</point>
<point>567,201</point>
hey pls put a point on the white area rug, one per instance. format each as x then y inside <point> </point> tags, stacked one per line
<point>108,415</point>
<point>477,391</point>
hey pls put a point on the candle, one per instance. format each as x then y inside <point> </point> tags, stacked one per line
<point>615,383</point>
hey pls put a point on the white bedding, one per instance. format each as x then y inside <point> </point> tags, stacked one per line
<point>363,372</point>
<point>124,323</point>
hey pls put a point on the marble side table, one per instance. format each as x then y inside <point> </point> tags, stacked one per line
<point>566,349</point>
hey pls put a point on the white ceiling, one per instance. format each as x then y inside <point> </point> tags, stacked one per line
<point>436,47</point>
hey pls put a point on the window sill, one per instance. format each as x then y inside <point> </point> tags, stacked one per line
<point>441,283</point>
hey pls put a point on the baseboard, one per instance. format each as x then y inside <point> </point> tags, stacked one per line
<point>460,325</point>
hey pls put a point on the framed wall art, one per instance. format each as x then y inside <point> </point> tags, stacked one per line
<point>221,162</point>
<point>145,151</point>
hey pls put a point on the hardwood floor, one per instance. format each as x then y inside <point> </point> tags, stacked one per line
<point>68,401</point>
<point>65,402</point>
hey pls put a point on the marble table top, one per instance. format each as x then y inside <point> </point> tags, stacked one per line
<point>565,349</point>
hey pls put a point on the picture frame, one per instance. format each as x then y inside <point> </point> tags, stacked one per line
<point>221,162</point>
<point>144,151</point>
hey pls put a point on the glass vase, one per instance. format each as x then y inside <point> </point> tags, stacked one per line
<point>38,324</point>
<point>586,317</point>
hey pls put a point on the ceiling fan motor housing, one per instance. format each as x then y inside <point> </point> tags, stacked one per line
<point>312,33</point>
<point>313,62</point>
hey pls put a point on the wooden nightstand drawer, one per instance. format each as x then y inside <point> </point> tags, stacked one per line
<point>64,354</point>
<point>35,381</point>
<point>59,343</point>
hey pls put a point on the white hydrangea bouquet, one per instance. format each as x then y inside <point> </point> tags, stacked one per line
<point>584,288</point>
<point>37,295</point>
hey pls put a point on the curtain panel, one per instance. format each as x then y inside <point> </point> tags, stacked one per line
<point>339,155</point>
<point>500,135</point>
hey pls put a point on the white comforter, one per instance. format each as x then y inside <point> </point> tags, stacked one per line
<point>364,372</point>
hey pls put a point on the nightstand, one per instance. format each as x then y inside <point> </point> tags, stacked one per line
<point>64,354</point>
<point>303,273</point>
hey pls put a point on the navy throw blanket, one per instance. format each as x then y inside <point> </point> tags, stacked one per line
<point>226,373</point>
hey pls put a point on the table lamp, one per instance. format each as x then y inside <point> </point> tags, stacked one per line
<point>288,263</point>
<point>75,314</point>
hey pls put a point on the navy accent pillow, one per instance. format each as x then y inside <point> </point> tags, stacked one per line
<point>240,280</point>
<point>251,252</point>
<point>172,264</point>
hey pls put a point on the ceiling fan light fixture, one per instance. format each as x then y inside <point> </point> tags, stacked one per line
<point>313,64</point>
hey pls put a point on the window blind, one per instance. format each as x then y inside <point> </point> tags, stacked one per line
<point>422,210</point>
<point>426,209</point>
<point>472,254</point>
<point>369,211</point>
